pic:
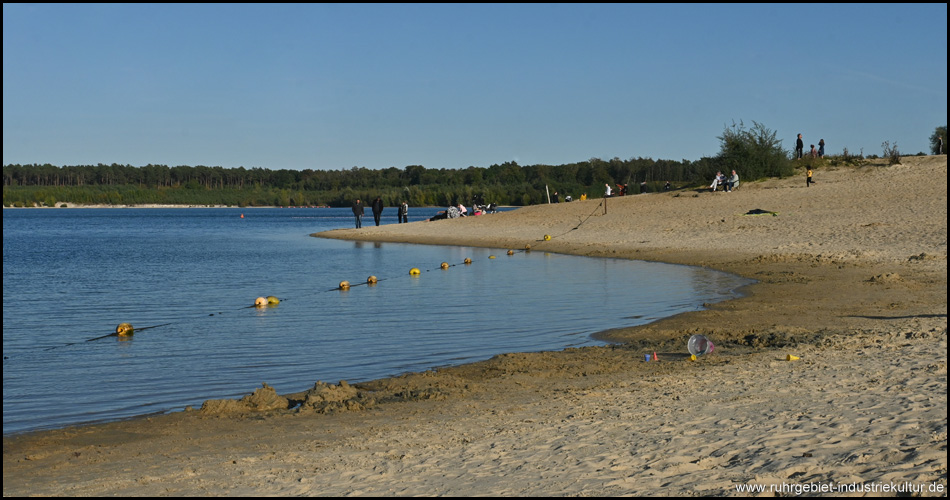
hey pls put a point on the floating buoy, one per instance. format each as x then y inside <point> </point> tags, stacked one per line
<point>242,216</point>
<point>468,260</point>
<point>547,237</point>
<point>371,280</point>
<point>491,256</point>
<point>415,271</point>
<point>260,302</point>
<point>511,252</point>
<point>273,301</point>
<point>444,265</point>
<point>124,330</point>
<point>791,358</point>
<point>344,285</point>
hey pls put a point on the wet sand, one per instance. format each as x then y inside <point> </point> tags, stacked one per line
<point>852,279</point>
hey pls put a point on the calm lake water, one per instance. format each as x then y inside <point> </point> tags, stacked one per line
<point>70,275</point>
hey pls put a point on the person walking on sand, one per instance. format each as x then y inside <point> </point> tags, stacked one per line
<point>607,191</point>
<point>799,147</point>
<point>377,209</point>
<point>358,212</point>
<point>808,181</point>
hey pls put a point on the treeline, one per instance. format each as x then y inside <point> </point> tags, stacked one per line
<point>754,152</point>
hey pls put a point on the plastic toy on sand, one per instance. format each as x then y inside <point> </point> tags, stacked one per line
<point>699,345</point>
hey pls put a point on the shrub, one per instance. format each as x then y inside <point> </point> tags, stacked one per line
<point>755,152</point>
<point>891,153</point>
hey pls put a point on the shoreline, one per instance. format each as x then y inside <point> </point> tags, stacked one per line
<point>850,277</point>
<point>157,205</point>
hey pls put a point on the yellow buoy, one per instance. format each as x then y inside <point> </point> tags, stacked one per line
<point>444,265</point>
<point>415,271</point>
<point>260,302</point>
<point>467,260</point>
<point>344,285</point>
<point>271,300</point>
<point>511,252</point>
<point>124,329</point>
<point>371,280</point>
<point>547,237</point>
<point>491,256</point>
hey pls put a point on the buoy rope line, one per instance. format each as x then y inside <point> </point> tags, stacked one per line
<point>123,330</point>
<point>579,224</point>
<point>126,330</point>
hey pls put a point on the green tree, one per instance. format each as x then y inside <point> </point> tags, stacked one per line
<point>754,153</point>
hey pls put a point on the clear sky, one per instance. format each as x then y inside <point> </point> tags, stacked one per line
<point>325,86</point>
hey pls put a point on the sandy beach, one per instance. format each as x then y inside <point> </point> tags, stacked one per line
<point>851,279</point>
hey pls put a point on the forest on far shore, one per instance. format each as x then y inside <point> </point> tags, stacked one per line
<point>753,152</point>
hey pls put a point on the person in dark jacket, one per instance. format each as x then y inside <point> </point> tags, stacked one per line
<point>377,209</point>
<point>358,212</point>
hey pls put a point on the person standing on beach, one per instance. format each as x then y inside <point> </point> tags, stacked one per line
<point>607,191</point>
<point>377,209</point>
<point>821,148</point>
<point>403,214</point>
<point>813,152</point>
<point>939,144</point>
<point>358,212</point>
<point>799,147</point>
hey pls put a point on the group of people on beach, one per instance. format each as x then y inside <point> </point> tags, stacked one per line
<point>727,183</point>
<point>814,153</point>
<point>622,189</point>
<point>377,205</point>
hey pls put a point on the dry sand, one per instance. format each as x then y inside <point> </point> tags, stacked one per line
<point>852,278</point>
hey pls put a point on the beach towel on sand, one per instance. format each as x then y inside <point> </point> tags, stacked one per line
<point>759,211</point>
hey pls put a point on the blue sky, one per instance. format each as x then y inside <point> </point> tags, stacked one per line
<point>325,86</point>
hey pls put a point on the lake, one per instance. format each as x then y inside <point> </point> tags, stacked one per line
<point>187,279</point>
